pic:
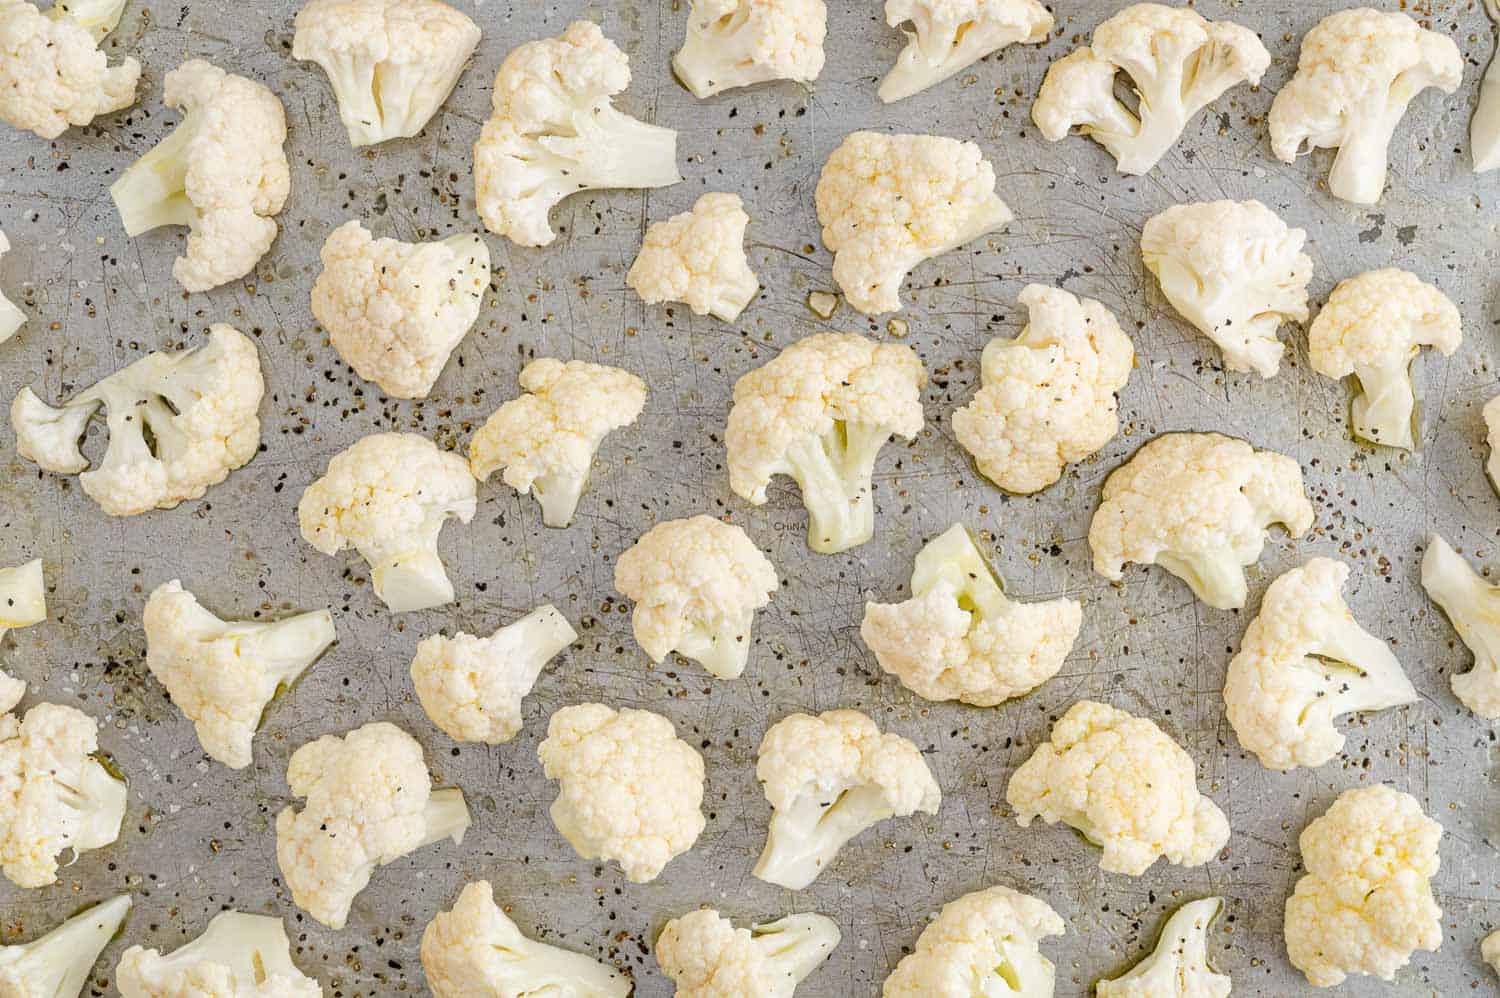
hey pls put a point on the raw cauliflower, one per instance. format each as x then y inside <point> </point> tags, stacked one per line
<point>60,963</point>
<point>707,957</point>
<point>1473,607</point>
<point>984,943</point>
<point>23,597</point>
<point>739,43</point>
<point>948,36</point>
<point>1178,967</point>
<point>1484,126</point>
<point>11,316</point>
<point>237,956</point>
<point>698,257</point>
<point>1491,414</point>
<point>52,74</point>
<point>1490,950</point>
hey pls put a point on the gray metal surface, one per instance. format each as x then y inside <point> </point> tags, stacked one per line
<point>199,837</point>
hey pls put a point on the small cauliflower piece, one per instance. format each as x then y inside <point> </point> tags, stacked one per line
<point>984,943</point>
<point>739,43</point>
<point>629,790</point>
<point>1123,783</point>
<point>1473,607</point>
<point>58,964</point>
<point>1048,396</point>
<point>819,413</point>
<point>222,173</point>
<point>707,957</point>
<point>1484,127</point>
<point>1490,950</point>
<point>828,778</point>
<point>23,597</point>
<point>1178,63</point>
<point>889,202</point>
<point>1491,415</point>
<point>546,440</point>
<point>948,36</point>
<point>11,316</point>
<point>52,74</point>
<point>237,956</point>
<point>1198,505</point>
<point>698,257</point>
<point>1178,967</point>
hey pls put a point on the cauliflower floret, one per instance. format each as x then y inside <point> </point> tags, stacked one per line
<point>388,497</point>
<point>739,43</point>
<point>1358,71</point>
<point>222,173</point>
<point>819,412</point>
<point>11,316</point>
<point>1491,414</point>
<point>472,687</point>
<point>1484,127</point>
<point>23,599</point>
<point>1473,607</point>
<point>52,74</point>
<point>889,202</point>
<point>1198,505</point>
<point>984,943</point>
<point>1048,396</point>
<point>546,439</point>
<point>199,408</point>
<point>707,957</point>
<point>828,778</point>
<point>1235,271</point>
<point>237,956</point>
<point>1490,950</point>
<point>1178,967</point>
<point>696,585</point>
<point>1123,783</point>
<point>391,63</point>
<point>1373,327</point>
<point>1177,62</point>
<point>698,257</point>
<point>1365,903</point>
<point>223,674</point>
<point>629,790</point>
<point>369,802</point>
<point>476,950</point>
<point>948,36</point>
<point>58,964</point>
<point>554,132</point>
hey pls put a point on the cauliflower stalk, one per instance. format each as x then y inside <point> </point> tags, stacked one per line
<point>11,316</point>
<point>100,17</point>
<point>52,74</point>
<point>985,943</point>
<point>237,954</point>
<point>23,597</point>
<point>1490,950</point>
<point>739,43</point>
<point>948,36</point>
<point>58,964</point>
<point>707,957</point>
<point>1484,127</point>
<point>698,257</point>
<point>1178,967</point>
<point>1492,438</point>
<point>1473,607</point>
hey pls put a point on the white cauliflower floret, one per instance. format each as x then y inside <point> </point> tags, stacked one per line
<point>554,132</point>
<point>828,778</point>
<point>1198,505</point>
<point>1178,967</point>
<point>369,802</point>
<point>1178,63</point>
<point>237,956</point>
<point>1235,271</point>
<point>223,674</point>
<point>819,413</point>
<point>1484,127</point>
<point>948,36</point>
<point>23,599</point>
<point>707,957</point>
<point>1123,783</point>
<point>1048,396</point>
<point>698,257</point>
<point>1358,71</point>
<point>222,173</point>
<point>52,74</point>
<point>984,943</point>
<point>960,638</point>
<point>1473,606</point>
<point>1372,328</point>
<point>546,439</point>
<point>1366,902</point>
<point>889,202</point>
<point>11,316</point>
<point>178,423</point>
<point>629,790</point>
<point>391,63</point>
<point>739,43</point>
<point>472,687</point>
<point>476,950</point>
<point>696,584</point>
<point>58,964</point>
<point>388,497</point>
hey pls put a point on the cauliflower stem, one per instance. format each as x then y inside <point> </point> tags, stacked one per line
<point>254,948</point>
<point>152,192</point>
<point>1473,606</point>
<point>57,965</point>
<point>834,471</point>
<point>100,17</point>
<point>446,817</point>
<point>804,839</point>
<point>1484,127</point>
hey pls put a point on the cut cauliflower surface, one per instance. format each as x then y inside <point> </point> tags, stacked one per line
<point>819,413</point>
<point>546,440</point>
<point>1358,71</point>
<point>199,408</point>
<point>828,778</point>
<point>1473,606</point>
<point>1490,950</point>
<point>1492,438</point>
<point>11,316</point>
<point>1048,396</point>
<point>1178,967</point>
<point>52,74</point>
<point>1128,787</point>
<point>1484,127</point>
<point>237,956</point>
<point>1177,62</point>
<point>707,957</point>
<point>948,36</point>
<point>23,597</point>
<point>1198,505</point>
<point>396,311</point>
<point>960,638</point>
<point>222,173</point>
<point>369,802</point>
<point>739,43</point>
<point>59,964</point>
<point>1372,327</point>
<point>984,943</point>
<point>698,257</point>
<point>696,585</point>
<point>1365,904</point>
<point>889,202</point>
<point>629,790</point>
<point>1235,271</point>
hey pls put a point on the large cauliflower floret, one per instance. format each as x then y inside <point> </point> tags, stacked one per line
<point>178,423</point>
<point>629,790</point>
<point>707,957</point>
<point>1358,71</point>
<point>1048,396</point>
<point>52,74</point>
<point>1366,902</point>
<point>1198,505</point>
<point>1178,967</point>
<point>59,964</point>
<point>819,413</point>
<point>237,956</point>
<point>554,132</point>
<point>1123,783</point>
<point>23,598</point>
<point>948,36</point>
<point>828,778</point>
<point>222,173</point>
<point>889,202</point>
<point>391,63</point>
<point>739,43</point>
<point>984,943</point>
<point>546,439</point>
<point>11,316</point>
<point>1235,271</point>
<point>388,497</point>
<point>369,802</point>
<point>1473,606</point>
<point>698,257</point>
<point>1373,327</point>
<point>1178,63</point>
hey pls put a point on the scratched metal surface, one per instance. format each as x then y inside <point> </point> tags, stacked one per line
<point>199,838</point>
